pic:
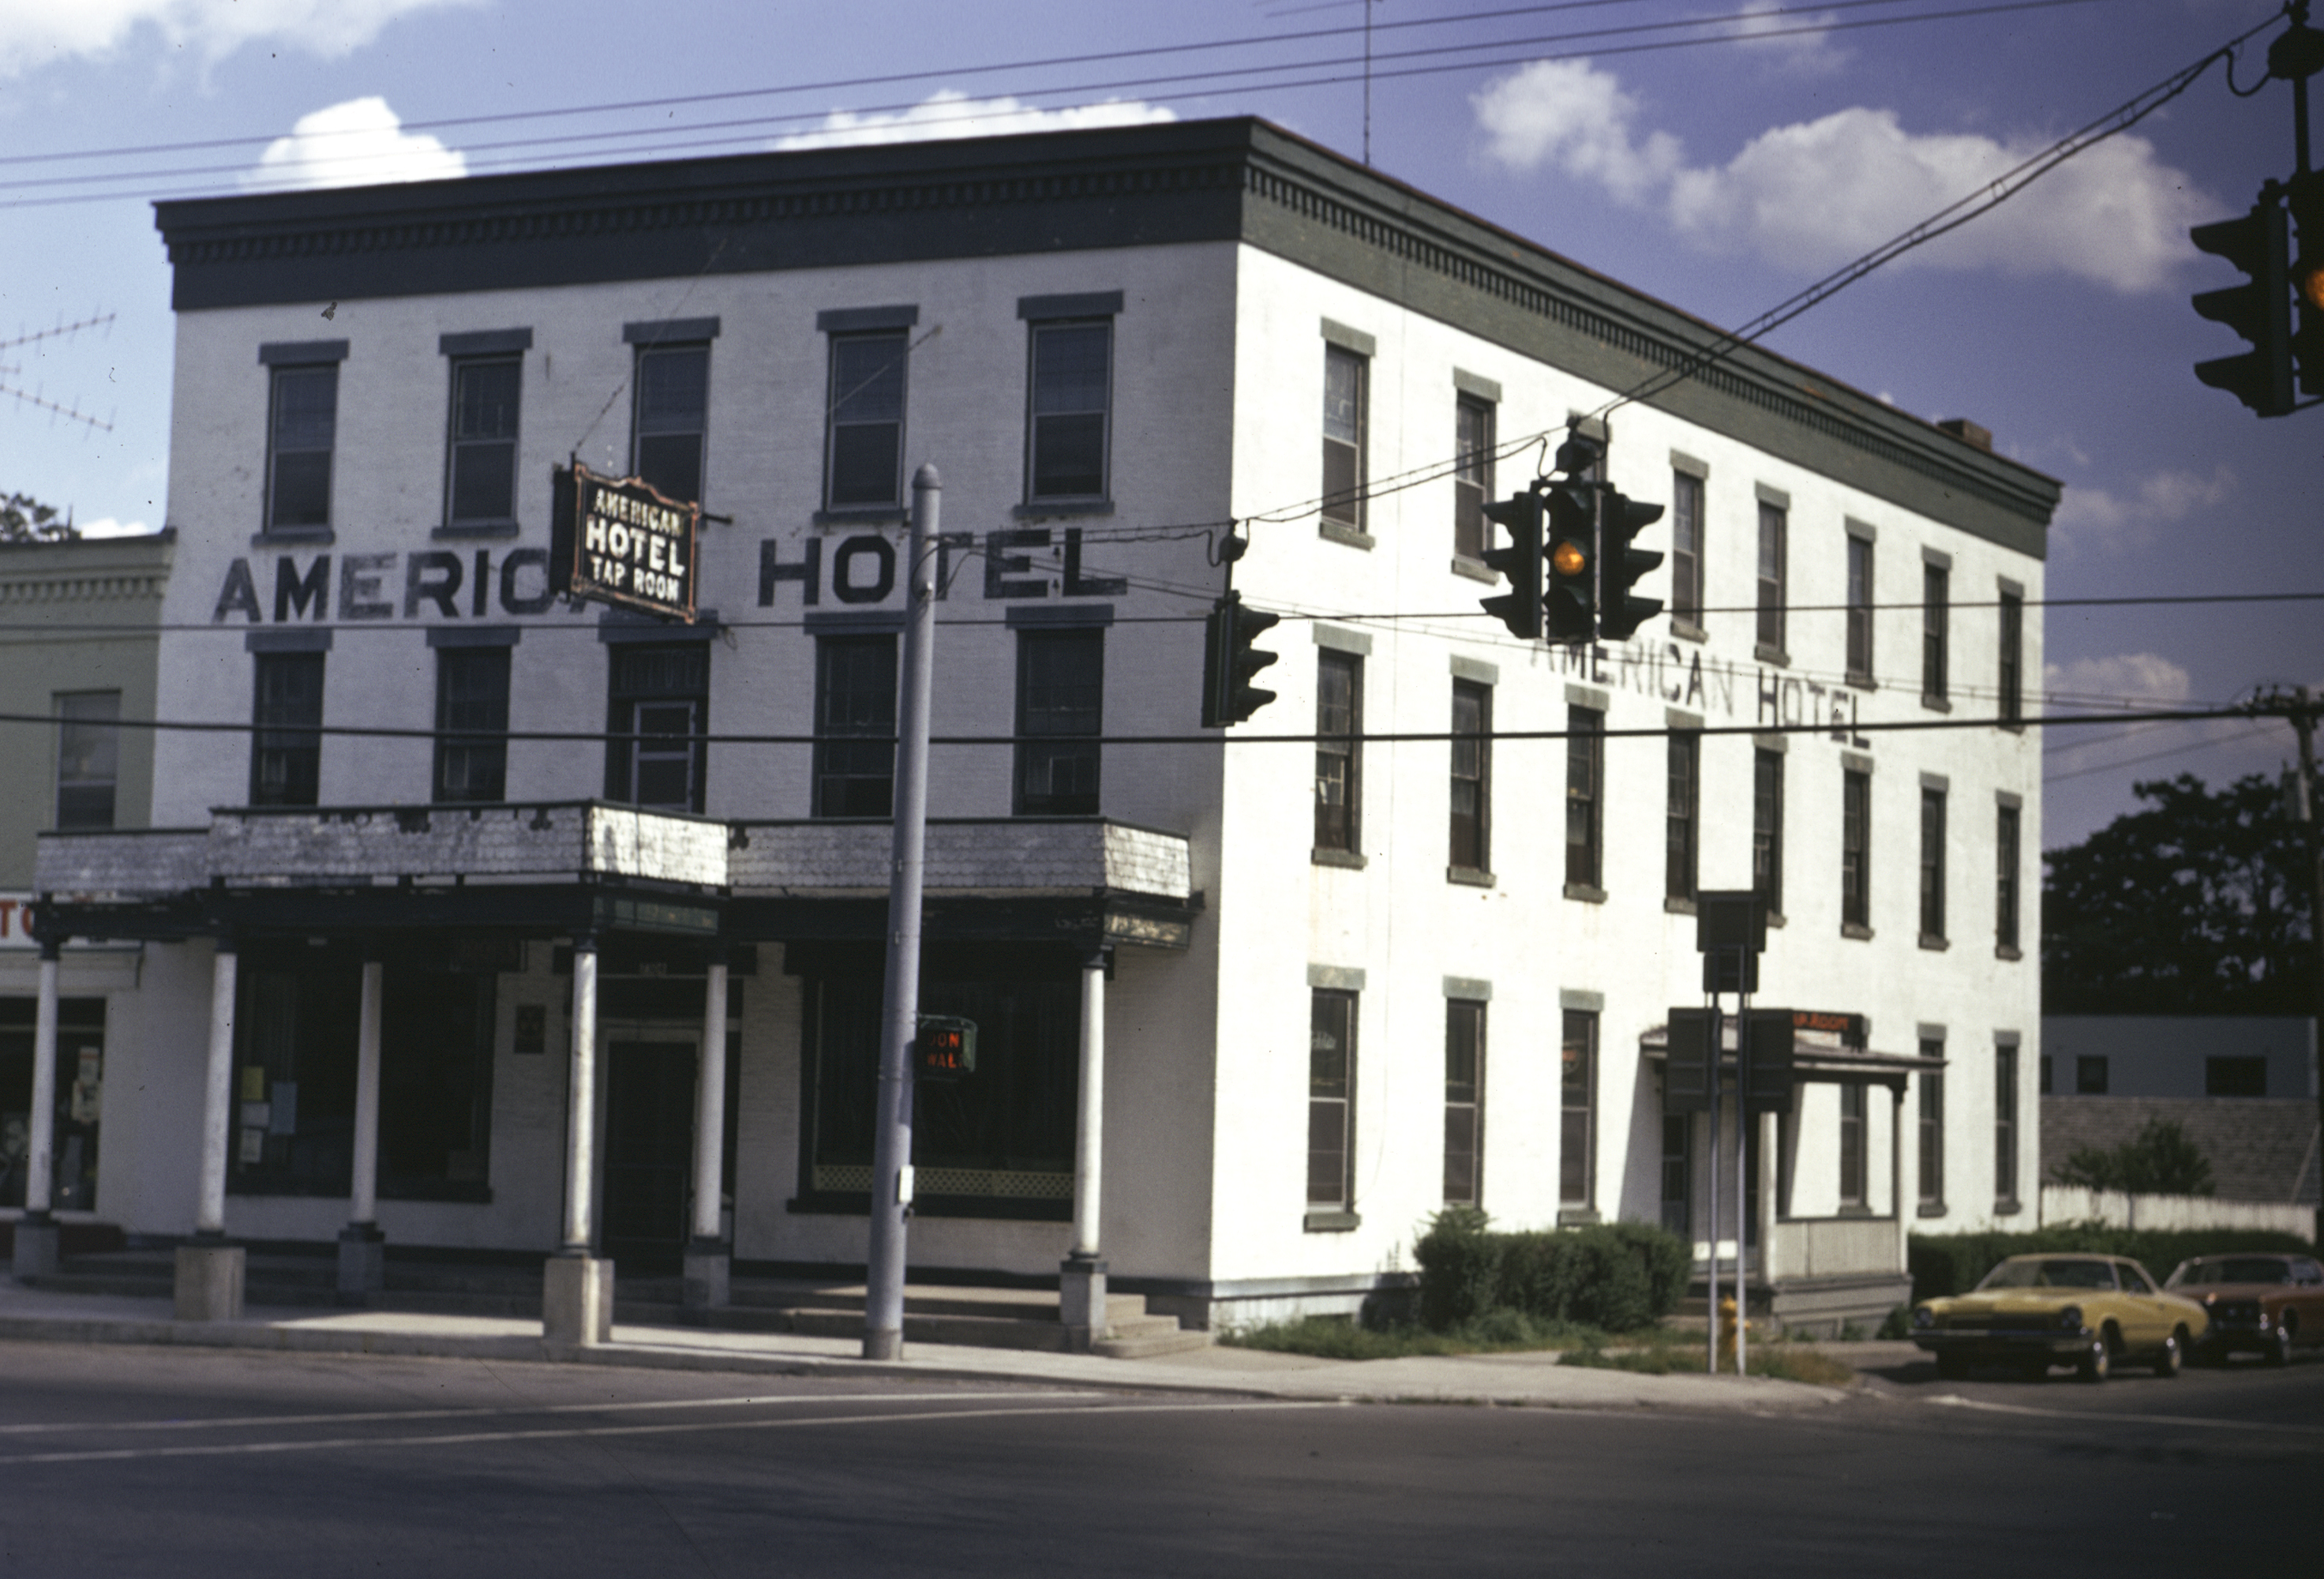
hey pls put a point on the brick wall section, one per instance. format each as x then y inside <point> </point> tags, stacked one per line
<point>967,856</point>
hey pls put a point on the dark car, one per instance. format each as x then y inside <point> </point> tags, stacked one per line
<point>2260,1304</point>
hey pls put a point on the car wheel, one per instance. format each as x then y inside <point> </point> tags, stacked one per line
<point>2173,1354</point>
<point>2279,1348</point>
<point>2097,1362</point>
<point>1952,1367</point>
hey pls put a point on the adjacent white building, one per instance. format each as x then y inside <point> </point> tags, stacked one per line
<point>1348,977</point>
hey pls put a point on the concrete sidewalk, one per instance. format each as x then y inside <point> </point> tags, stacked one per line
<point>1530,1379</point>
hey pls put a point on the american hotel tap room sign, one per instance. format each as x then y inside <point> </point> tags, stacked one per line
<point>617,540</point>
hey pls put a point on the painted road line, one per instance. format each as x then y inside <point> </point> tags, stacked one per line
<point>1950,1401</point>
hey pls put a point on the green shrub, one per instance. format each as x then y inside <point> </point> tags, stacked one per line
<point>1954,1263</point>
<point>2161,1161</point>
<point>1898,1324</point>
<point>1616,1276</point>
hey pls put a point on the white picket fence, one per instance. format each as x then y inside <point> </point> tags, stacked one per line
<point>2071,1204</point>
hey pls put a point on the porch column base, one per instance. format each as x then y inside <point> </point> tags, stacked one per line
<point>1081,1301</point>
<point>363,1263</point>
<point>709,1274</point>
<point>210,1281</point>
<point>577,1301</point>
<point>36,1246</point>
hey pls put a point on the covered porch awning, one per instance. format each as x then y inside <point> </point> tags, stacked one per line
<point>1820,1052</point>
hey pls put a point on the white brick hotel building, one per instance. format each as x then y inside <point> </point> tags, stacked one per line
<point>1344,982</point>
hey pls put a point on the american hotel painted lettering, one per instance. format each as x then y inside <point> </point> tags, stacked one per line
<point>1687,678</point>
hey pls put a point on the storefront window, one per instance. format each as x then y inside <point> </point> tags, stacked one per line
<point>80,1091</point>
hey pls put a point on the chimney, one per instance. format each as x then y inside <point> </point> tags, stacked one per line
<point>1968,432</point>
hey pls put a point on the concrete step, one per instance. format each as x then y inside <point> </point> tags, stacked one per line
<point>980,1332</point>
<point>1150,1346</point>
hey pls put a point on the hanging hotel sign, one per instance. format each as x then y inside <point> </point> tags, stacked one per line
<point>618,539</point>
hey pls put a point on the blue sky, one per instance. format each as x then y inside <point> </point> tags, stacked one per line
<point>1721,177</point>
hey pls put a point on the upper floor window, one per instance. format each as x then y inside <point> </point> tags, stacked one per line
<point>1859,609</point>
<point>286,747</point>
<point>1773,553</point>
<point>1933,865</point>
<point>671,418</point>
<point>2012,709</point>
<point>1855,849</point>
<point>1339,755</point>
<point>1072,410</point>
<point>1936,632</point>
<point>1471,786</point>
<point>863,464</point>
<point>1345,374</point>
<point>855,726</point>
<point>1681,813</point>
<point>88,758</point>
<point>1768,826</point>
<point>2006,859</point>
<point>302,423</point>
<point>1472,476</point>
<point>657,708</point>
<point>1060,712</point>
<point>1687,548</point>
<point>480,486</point>
<point>471,720</point>
<point>1585,784</point>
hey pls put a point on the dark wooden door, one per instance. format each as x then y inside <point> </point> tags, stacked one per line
<point>648,1152</point>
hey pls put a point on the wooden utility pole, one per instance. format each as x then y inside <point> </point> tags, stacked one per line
<point>2299,708</point>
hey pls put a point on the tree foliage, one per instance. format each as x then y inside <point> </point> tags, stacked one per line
<point>2160,1161</point>
<point>25,520</point>
<point>2196,903</point>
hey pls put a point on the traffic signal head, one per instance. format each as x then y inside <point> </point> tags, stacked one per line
<point>1570,607</point>
<point>1230,661</point>
<point>2259,309</point>
<point>1578,456</point>
<point>1621,611</point>
<point>1519,608</point>
<point>2306,196</point>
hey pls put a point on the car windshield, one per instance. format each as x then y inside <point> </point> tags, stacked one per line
<point>2236,1270</point>
<point>2050,1274</point>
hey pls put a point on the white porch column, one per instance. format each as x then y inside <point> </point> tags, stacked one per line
<point>36,1231</point>
<point>708,1257</point>
<point>578,1287</point>
<point>210,1271</point>
<point>363,1248</point>
<point>1081,1283</point>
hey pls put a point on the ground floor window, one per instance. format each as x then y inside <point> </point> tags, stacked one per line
<point>1678,1174</point>
<point>81,1081</point>
<point>1330,1099</point>
<point>1577,1135</point>
<point>1464,1089</point>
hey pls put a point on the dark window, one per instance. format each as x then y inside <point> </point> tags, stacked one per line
<point>2012,658</point>
<point>1932,863</point>
<point>1686,547</point>
<point>2090,1076</point>
<point>1578,1098</point>
<point>1855,848</point>
<point>482,482</point>
<point>1936,632</point>
<point>1680,809</point>
<point>286,748</point>
<point>1768,827</point>
<point>855,727</point>
<point>672,417</point>
<point>295,1079</point>
<point>1073,397</point>
<point>303,420</point>
<point>2043,1075</point>
<point>658,708</point>
<point>1339,754</point>
<point>1859,609</point>
<point>1331,1092</point>
<point>1678,1174</point>
<point>1464,1102</point>
<point>1060,708</point>
<point>1344,421</point>
<point>79,1075</point>
<point>1933,1127</point>
<point>865,463</point>
<point>2234,1076</point>
<point>1585,784</point>
<point>1472,477</point>
<point>2004,877</point>
<point>471,720</point>
<point>1472,782</point>
<point>1771,576</point>
<point>435,1083</point>
<point>1851,1143</point>
<point>2005,1123</point>
<point>88,758</point>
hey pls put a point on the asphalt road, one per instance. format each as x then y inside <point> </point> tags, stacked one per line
<point>123,1461</point>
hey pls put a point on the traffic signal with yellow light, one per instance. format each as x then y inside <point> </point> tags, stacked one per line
<point>2306,197</point>
<point>1518,608</point>
<point>1570,606</point>
<point>1620,611</point>
<point>1230,661</point>
<point>2259,309</point>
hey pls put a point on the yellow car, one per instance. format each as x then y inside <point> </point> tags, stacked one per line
<point>2092,1312</point>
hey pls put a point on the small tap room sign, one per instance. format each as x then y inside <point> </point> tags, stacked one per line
<point>620,540</point>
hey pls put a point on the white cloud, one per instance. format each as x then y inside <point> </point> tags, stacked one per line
<point>1812,195</point>
<point>39,33</point>
<point>2097,519</point>
<point>2148,678</point>
<point>357,144</point>
<point>106,526</point>
<point>948,112</point>
<point>1810,52</point>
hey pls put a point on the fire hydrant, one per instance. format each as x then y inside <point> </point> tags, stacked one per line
<point>1725,1333</point>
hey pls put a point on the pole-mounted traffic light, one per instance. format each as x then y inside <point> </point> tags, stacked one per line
<point>2306,197</point>
<point>1570,608</point>
<point>1518,608</point>
<point>1621,612</point>
<point>1230,661</point>
<point>2259,309</point>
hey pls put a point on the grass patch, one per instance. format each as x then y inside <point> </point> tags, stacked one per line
<point>1497,1331</point>
<point>1786,1362</point>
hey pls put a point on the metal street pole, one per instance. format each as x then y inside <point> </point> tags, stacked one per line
<point>891,1154</point>
<point>1717,1057</point>
<point>2303,722</point>
<point>1742,1152</point>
